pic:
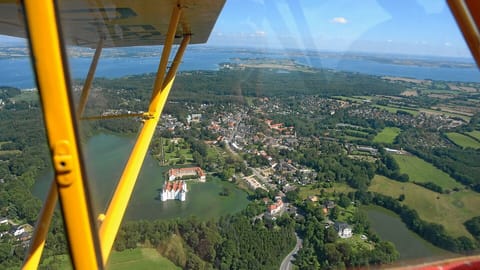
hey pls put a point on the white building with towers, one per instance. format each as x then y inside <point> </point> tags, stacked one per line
<point>174,190</point>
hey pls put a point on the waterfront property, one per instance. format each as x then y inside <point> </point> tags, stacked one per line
<point>175,173</point>
<point>174,190</point>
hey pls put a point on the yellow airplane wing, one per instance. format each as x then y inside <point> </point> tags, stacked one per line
<point>96,23</point>
<point>122,23</point>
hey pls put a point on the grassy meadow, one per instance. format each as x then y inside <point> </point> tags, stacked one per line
<point>139,259</point>
<point>475,134</point>
<point>311,190</point>
<point>450,210</point>
<point>421,171</point>
<point>463,140</point>
<point>387,135</point>
<point>396,109</point>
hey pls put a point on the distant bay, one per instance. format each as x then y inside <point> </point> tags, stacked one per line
<point>17,71</point>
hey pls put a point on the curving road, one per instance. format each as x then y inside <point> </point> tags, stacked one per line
<point>287,262</point>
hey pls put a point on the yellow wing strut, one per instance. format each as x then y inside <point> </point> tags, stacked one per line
<point>89,246</point>
<point>53,84</point>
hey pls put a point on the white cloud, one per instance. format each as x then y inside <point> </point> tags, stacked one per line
<point>340,20</point>
<point>260,33</point>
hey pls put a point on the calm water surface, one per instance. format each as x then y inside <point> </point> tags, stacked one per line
<point>410,246</point>
<point>106,155</point>
<point>17,72</point>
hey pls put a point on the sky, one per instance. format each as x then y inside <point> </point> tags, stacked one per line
<point>413,27</point>
<point>417,27</point>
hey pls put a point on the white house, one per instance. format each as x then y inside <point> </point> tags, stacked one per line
<point>275,208</point>
<point>344,230</point>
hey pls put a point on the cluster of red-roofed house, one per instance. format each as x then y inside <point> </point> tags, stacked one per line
<point>175,173</point>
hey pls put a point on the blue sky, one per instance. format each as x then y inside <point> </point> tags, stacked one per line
<point>415,27</point>
<point>420,27</point>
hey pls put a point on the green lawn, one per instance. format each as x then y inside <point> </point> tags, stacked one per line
<point>174,157</point>
<point>462,140</point>
<point>475,134</point>
<point>309,190</point>
<point>450,210</point>
<point>387,135</point>
<point>421,171</point>
<point>139,259</point>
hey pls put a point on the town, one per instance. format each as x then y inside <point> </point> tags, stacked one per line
<point>312,164</point>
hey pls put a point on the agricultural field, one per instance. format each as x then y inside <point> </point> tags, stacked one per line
<point>450,210</point>
<point>139,259</point>
<point>387,135</point>
<point>396,109</point>
<point>421,171</point>
<point>430,111</point>
<point>463,140</point>
<point>351,138</point>
<point>351,99</point>
<point>475,134</point>
<point>27,96</point>
<point>8,152</point>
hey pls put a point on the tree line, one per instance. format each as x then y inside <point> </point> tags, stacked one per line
<point>231,242</point>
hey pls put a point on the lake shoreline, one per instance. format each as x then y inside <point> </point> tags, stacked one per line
<point>412,248</point>
<point>105,156</point>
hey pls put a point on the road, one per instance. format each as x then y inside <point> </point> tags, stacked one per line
<point>287,262</point>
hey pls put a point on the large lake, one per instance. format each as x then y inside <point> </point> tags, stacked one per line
<point>17,71</point>
<point>411,247</point>
<point>106,155</point>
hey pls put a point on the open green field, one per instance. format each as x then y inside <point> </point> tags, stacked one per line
<point>450,210</point>
<point>310,190</point>
<point>8,152</point>
<point>26,96</point>
<point>351,138</point>
<point>421,171</point>
<point>475,134</point>
<point>396,109</point>
<point>439,91</point>
<point>173,152</point>
<point>139,259</point>
<point>387,135</point>
<point>462,140</point>
<point>352,99</point>
<point>430,111</point>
